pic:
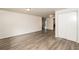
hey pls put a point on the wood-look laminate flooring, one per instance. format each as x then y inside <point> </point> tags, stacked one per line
<point>37,41</point>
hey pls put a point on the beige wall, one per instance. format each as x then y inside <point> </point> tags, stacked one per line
<point>12,24</point>
<point>50,23</point>
<point>78,27</point>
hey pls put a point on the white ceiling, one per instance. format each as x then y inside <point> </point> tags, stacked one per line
<point>43,12</point>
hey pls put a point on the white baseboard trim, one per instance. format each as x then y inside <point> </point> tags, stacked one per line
<point>18,34</point>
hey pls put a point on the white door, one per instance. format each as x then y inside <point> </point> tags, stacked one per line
<point>67,25</point>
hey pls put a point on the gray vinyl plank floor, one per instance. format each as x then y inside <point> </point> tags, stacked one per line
<point>37,41</point>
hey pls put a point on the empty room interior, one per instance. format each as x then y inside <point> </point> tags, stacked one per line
<point>39,29</point>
